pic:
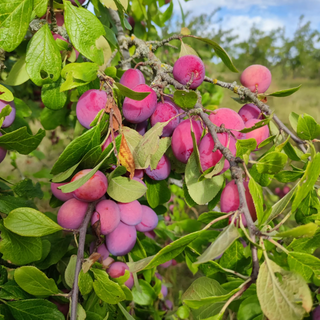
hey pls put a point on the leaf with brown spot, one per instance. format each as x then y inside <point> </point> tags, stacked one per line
<point>116,118</point>
<point>125,157</point>
<point>88,263</point>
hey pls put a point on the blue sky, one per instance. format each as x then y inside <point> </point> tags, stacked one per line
<point>240,15</point>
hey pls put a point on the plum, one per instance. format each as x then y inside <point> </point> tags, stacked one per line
<point>250,111</point>
<point>162,170</point>
<point>168,99</point>
<point>181,142</point>
<point>89,105</point>
<point>118,269</point>
<point>80,1</point>
<point>164,112</point>
<point>138,111</point>
<point>109,140</point>
<point>149,220</point>
<point>107,211</point>
<point>166,264</point>
<point>150,234</point>
<point>132,78</point>
<point>72,213</point>
<point>130,213</point>
<point>58,193</point>
<point>93,189</point>
<point>121,240</point>
<point>141,127</point>
<point>230,119</point>
<point>8,120</point>
<point>316,313</point>
<point>138,173</point>
<point>3,152</point>
<point>256,78</point>
<point>185,66</point>
<point>164,290</point>
<point>259,134</point>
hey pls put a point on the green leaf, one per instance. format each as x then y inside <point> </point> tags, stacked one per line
<point>40,7</point>
<point>221,53</point>
<point>43,59</point>
<point>51,96</point>
<point>291,152</point>
<point>262,178</point>
<point>106,289</point>
<point>35,282</point>
<point>5,94</point>
<point>19,250</point>
<point>245,147</point>
<point>293,118</point>
<point>308,210</point>
<point>29,222</point>
<point>306,245</point>
<point>257,196</point>
<point>272,162</point>
<point>249,309</point>
<point>18,73</point>
<point>125,91</point>
<point>164,144</point>
<point>26,189</point>
<point>122,189</point>
<point>282,294</point>
<point>85,282</point>
<point>70,271</point>
<point>11,291</point>
<point>20,140</point>
<point>288,176</point>
<point>185,100</point>
<point>257,125</point>
<point>22,108</point>
<point>157,192</point>
<point>73,153</point>
<point>35,309</point>
<point>186,50</point>
<point>14,22</point>
<point>167,253</point>
<point>4,112</point>
<point>201,191</point>
<point>144,297</point>
<point>307,182</point>
<point>207,217</point>
<point>220,245</point>
<point>304,264</point>
<point>307,230</point>
<point>284,93</point>
<point>204,291</point>
<point>125,312</point>
<point>84,29</point>
<point>267,141</point>
<point>51,119</point>
<point>307,127</point>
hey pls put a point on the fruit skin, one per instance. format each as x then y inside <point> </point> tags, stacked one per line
<point>185,66</point>
<point>80,1</point>
<point>166,264</point>
<point>230,119</point>
<point>118,269</point>
<point>89,105</point>
<point>181,142</point>
<point>208,158</point>
<point>259,134</point>
<point>316,313</point>
<point>130,213</point>
<point>162,170</point>
<point>141,127</point>
<point>72,213</point>
<point>3,152</point>
<point>93,189</point>
<point>102,249</point>
<point>109,140</point>
<point>150,234</point>
<point>250,111</point>
<point>164,112</point>
<point>107,211</point>
<point>169,100</point>
<point>121,240</point>
<point>132,78</point>
<point>230,199</point>
<point>58,193</point>
<point>149,220</point>
<point>138,173</point>
<point>8,120</point>
<point>164,290</point>
<point>139,111</point>
<point>256,78</point>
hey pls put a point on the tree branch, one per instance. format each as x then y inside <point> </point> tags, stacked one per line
<point>82,238</point>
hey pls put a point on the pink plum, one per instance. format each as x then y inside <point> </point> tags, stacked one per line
<point>58,193</point>
<point>3,152</point>
<point>138,173</point>
<point>250,111</point>
<point>259,134</point>
<point>162,170</point>
<point>132,78</point>
<point>118,269</point>
<point>150,234</point>
<point>8,120</point>
<point>166,264</point>
<point>109,140</point>
<point>149,220</point>
<point>141,127</point>
<point>185,66</point>
<point>164,290</point>
<point>256,78</point>
<point>130,213</point>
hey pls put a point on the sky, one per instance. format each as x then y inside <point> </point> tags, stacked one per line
<point>240,15</point>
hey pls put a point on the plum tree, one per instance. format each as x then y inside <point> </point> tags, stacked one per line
<point>93,189</point>
<point>118,269</point>
<point>257,78</point>
<point>72,213</point>
<point>162,170</point>
<point>121,240</point>
<point>230,199</point>
<point>58,193</point>
<point>89,105</point>
<point>108,213</point>
<point>181,142</point>
<point>208,158</point>
<point>259,134</point>
<point>188,67</point>
<point>8,120</point>
<point>138,111</point>
<point>149,220</point>
<point>164,112</point>
<point>3,152</point>
<point>250,111</point>
<point>130,213</point>
<point>132,78</point>
<point>230,119</point>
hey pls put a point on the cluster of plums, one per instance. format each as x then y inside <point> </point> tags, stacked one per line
<point>7,122</point>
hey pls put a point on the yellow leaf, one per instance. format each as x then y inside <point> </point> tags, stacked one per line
<point>125,157</point>
<point>109,4</point>
<point>185,31</point>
